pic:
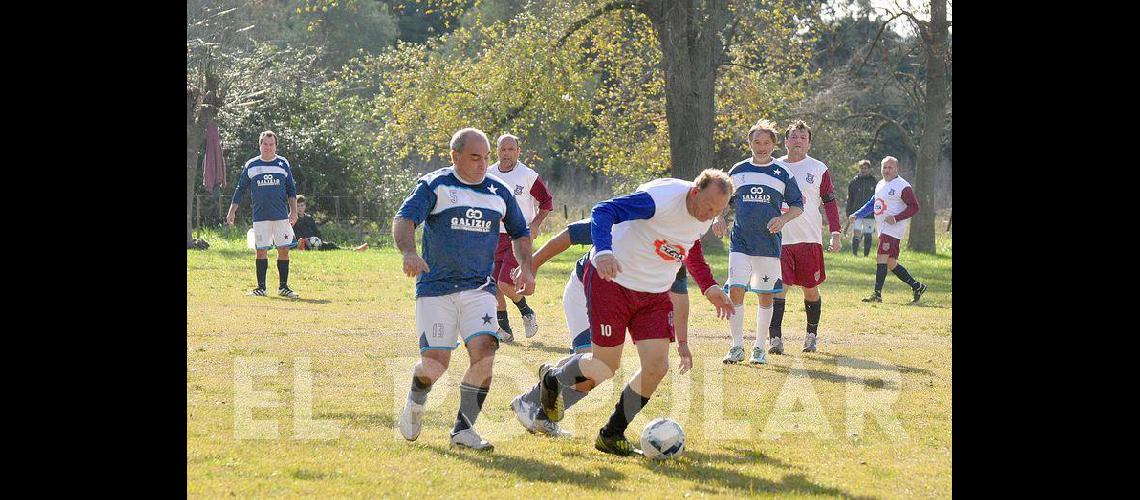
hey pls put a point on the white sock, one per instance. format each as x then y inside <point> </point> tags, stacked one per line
<point>736,326</point>
<point>763,321</point>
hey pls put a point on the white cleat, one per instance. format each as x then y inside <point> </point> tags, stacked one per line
<point>468,438</point>
<point>525,412</point>
<point>531,325</point>
<point>505,336</point>
<point>411,420</point>
<point>546,427</point>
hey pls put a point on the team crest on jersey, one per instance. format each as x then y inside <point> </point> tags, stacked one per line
<point>892,192</point>
<point>669,252</point>
<point>810,178</point>
<point>518,189</point>
<point>880,206</point>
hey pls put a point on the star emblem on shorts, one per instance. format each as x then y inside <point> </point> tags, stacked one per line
<point>486,319</point>
<point>765,279</point>
<point>492,189</point>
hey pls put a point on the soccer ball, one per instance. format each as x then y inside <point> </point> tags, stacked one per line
<point>662,438</point>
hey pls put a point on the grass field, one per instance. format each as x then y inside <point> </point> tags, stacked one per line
<point>869,415</point>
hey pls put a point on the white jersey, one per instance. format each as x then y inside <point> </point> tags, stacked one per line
<point>889,201</point>
<point>653,234</point>
<point>520,179</point>
<point>808,173</point>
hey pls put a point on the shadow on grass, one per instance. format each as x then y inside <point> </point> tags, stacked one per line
<point>542,346</point>
<point>361,419</point>
<point>706,471</point>
<point>307,301</point>
<point>878,366</point>
<point>600,478</point>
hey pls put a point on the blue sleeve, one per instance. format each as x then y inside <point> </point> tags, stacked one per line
<point>792,195</point>
<point>513,220</point>
<point>866,209</point>
<point>418,204</point>
<point>580,232</point>
<point>291,186</point>
<point>242,186</point>
<point>623,208</point>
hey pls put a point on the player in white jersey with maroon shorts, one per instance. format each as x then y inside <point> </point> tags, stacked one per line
<point>802,255</point>
<point>536,203</point>
<point>893,204</point>
<point>640,241</point>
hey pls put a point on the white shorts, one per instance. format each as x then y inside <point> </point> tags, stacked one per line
<point>865,226</point>
<point>442,320</point>
<point>754,274</point>
<point>577,319</point>
<point>273,233</point>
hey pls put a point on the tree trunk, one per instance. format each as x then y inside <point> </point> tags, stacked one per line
<point>930,146</point>
<point>688,32</point>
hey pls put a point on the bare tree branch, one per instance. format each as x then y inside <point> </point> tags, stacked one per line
<point>871,49</point>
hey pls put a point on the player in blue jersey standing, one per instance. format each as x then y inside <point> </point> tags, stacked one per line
<point>461,208</point>
<point>273,194</point>
<point>762,186</point>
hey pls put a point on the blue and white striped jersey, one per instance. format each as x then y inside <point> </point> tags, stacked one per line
<point>760,192</point>
<point>461,230</point>
<point>270,184</point>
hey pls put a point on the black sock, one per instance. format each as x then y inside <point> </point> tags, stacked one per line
<point>903,275</point>
<point>775,329</point>
<point>880,277</point>
<point>523,308</point>
<point>420,390</point>
<point>504,322</point>
<point>283,272</point>
<point>262,267</point>
<point>867,246</point>
<point>855,246</point>
<point>814,310</point>
<point>470,404</point>
<point>624,411</point>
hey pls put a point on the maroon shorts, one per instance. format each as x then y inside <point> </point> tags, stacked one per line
<point>505,261</point>
<point>889,246</point>
<point>802,264</point>
<point>613,309</point>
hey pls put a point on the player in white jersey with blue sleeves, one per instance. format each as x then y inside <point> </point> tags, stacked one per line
<point>762,187</point>
<point>462,208</point>
<point>273,195</point>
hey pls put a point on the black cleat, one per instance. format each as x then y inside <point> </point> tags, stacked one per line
<point>918,291</point>
<point>874,297</point>
<point>551,397</point>
<point>615,446</point>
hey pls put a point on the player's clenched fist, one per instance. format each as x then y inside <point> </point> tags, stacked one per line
<point>608,266</point>
<point>414,265</point>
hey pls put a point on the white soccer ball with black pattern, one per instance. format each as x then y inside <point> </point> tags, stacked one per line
<point>662,438</point>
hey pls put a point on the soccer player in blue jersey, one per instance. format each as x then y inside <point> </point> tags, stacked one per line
<point>273,194</point>
<point>461,208</point>
<point>762,186</point>
<point>526,405</point>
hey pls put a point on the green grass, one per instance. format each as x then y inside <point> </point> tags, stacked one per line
<point>353,329</point>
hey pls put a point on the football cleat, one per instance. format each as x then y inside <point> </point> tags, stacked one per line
<point>759,357</point>
<point>525,412</point>
<point>468,438</point>
<point>411,420</point>
<point>286,292</point>
<point>551,397</point>
<point>531,324</point>
<point>505,335</point>
<point>615,446</point>
<point>777,345</point>
<point>257,292</point>
<point>809,343</point>
<point>874,297</point>
<point>734,356</point>
<point>918,291</point>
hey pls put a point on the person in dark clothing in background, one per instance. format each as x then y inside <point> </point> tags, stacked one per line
<point>858,191</point>
<point>308,235</point>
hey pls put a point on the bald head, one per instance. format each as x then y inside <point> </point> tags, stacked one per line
<point>890,167</point>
